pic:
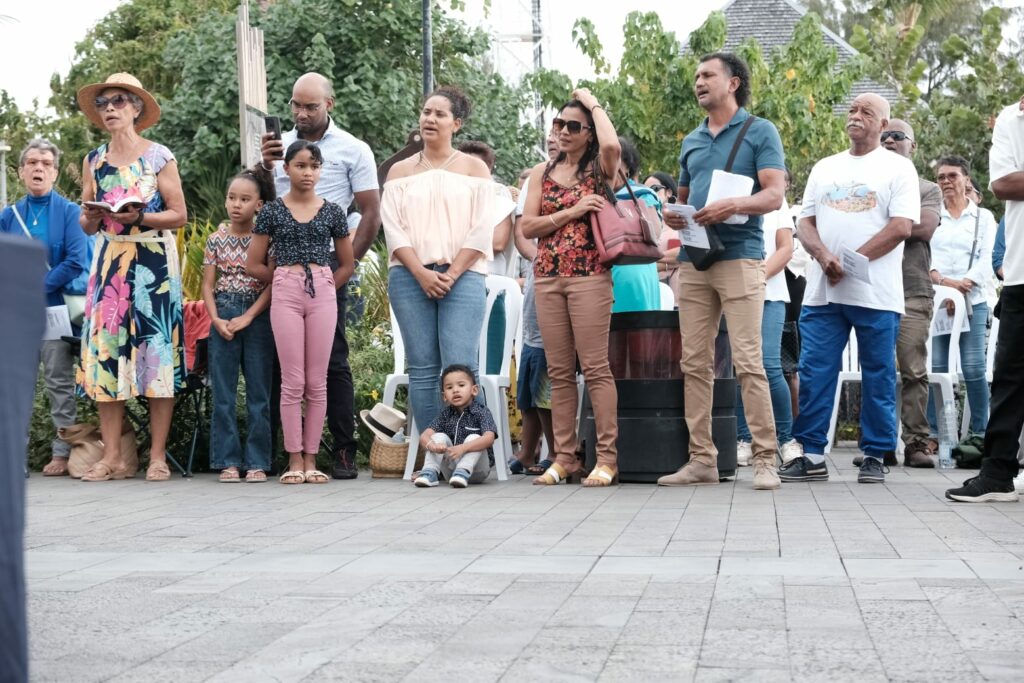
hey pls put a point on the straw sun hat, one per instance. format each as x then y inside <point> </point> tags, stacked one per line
<point>123,81</point>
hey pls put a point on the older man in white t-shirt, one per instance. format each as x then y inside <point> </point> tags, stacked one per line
<point>858,208</point>
<point>999,467</point>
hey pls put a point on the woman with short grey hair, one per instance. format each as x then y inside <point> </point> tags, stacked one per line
<point>46,216</point>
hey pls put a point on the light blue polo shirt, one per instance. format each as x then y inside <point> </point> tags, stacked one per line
<point>348,167</point>
<point>702,153</point>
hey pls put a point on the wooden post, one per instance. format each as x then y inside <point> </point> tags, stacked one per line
<point>252,87</point>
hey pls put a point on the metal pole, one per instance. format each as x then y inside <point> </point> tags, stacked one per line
<point>4,148</point>
<point>428,50</point>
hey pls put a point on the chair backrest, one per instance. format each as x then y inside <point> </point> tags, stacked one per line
<point>668,297</point>
<point>513,299</point>
<point>397,345</point>
<point>959,312</point>
<point>990,354</point>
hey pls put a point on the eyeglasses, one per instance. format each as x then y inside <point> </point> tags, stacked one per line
<point>657,188</point>
<point>897,135</point>
<point>574,127</point>
<point>119,101</point>
<point>308,108</point>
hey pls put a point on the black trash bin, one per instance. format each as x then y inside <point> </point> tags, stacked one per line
<point>644,349</point>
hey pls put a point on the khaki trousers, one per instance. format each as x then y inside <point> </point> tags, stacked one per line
<point>574,314</point>
<point>912,360</point>
<point>734,288</point>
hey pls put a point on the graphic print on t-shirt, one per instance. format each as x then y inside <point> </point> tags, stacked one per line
<point>851,198</point>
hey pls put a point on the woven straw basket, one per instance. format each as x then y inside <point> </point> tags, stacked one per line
<point>387,458</point>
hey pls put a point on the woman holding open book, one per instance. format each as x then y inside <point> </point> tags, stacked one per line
<point>132,335</point>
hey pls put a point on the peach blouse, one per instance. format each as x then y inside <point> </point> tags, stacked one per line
<point>438,213</point>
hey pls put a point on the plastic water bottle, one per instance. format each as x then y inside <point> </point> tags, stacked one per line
<point>399,436</point>
<point>947,435</point>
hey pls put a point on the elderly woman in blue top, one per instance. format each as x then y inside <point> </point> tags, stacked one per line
<point>44,215</point>
<point>962,259</point>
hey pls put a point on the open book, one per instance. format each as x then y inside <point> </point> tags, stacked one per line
<point>118,206</point>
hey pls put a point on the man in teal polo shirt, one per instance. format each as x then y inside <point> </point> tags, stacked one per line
<point>734,284</point>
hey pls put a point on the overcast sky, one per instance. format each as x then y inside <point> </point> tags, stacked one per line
<point>33,45</point>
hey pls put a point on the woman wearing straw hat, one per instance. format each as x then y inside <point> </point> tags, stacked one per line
<point>132,336</point>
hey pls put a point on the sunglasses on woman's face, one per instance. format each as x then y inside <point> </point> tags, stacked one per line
<point>574,127</point>
<point>119,101</point>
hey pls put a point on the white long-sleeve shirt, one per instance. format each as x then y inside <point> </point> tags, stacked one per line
<point>951,250</point>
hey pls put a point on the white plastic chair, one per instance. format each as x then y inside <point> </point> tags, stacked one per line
<point>496,386</point>
<point>990,361</point>
<point>668,297</point>
<point>948,381</point>
<point>848,372</point>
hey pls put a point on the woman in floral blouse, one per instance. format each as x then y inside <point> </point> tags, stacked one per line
<point>573,289</point>
<point>132,335</point>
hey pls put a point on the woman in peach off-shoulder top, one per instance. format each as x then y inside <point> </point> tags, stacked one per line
<point>437,211</point>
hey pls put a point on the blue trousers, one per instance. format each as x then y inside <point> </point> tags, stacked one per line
<point>824,332</point>
<point>251,350</point>
<point>436,333</point>
<point>771,352</point>
<point>973,363</point>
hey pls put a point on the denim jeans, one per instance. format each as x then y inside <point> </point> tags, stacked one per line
<point>436,333</point>
<point>973,350</point>
<point>825,331</point>
<point>252,350</point>
<point>771,352</point>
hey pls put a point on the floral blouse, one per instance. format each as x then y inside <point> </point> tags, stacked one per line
<point>569,251</point>
<point>302,243</point>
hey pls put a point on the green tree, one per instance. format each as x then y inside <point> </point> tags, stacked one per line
<point>651,101</point>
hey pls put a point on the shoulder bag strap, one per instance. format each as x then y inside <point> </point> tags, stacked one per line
<point>739,141</point>
<point>24,228</point>
<point>974,244</point>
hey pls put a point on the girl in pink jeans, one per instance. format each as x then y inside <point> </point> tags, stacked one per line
<point>303,304</point>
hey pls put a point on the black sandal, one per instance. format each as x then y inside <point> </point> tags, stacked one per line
<point>540,468</point>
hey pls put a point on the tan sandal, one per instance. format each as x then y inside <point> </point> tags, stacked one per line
<point>158,471</point>
<point>57,467</point>
<point>255,476</point>
<point>602,475</point>
<point>316,477</point>
<point>293,477</point>
<point>555,474</point>
<point>230,475</point>
<point>101,471</point>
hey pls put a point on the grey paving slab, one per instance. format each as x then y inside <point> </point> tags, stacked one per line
<point>375,580</point>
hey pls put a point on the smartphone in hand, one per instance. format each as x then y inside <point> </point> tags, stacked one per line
<point>273,126</point>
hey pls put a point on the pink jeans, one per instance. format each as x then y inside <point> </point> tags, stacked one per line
<point>304,333</point>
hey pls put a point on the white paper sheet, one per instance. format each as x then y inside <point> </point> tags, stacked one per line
<point>58,323</point>
<point>694,234</point>
<point>855,265</point>
<point>728,185</point>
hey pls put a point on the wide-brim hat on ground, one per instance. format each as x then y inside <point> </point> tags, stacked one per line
<point>382,420</point>
<point>123,81</point>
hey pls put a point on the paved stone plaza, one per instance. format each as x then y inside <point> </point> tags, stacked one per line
<point>375,580</point>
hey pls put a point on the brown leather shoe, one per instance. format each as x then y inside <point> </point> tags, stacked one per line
<point>693,473</point>
<point>917,455</point>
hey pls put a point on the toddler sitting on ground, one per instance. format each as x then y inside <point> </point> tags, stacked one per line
<point>458,440</point>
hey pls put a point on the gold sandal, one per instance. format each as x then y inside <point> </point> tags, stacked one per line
<point>555,474</point>
<point>101,471</point>
<point>602,475</point>
<point>158,471</point>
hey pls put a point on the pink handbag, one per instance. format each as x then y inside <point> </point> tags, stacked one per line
<point>625,230</point>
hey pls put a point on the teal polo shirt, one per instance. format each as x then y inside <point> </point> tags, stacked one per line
<point>702,153</point>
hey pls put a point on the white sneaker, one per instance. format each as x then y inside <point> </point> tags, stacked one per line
<point>791,450</point>
<point>1018,482</point>
<point>743,453</point>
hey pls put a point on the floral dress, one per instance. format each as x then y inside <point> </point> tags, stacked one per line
<point>569,251</point>
<point>133,332</point>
